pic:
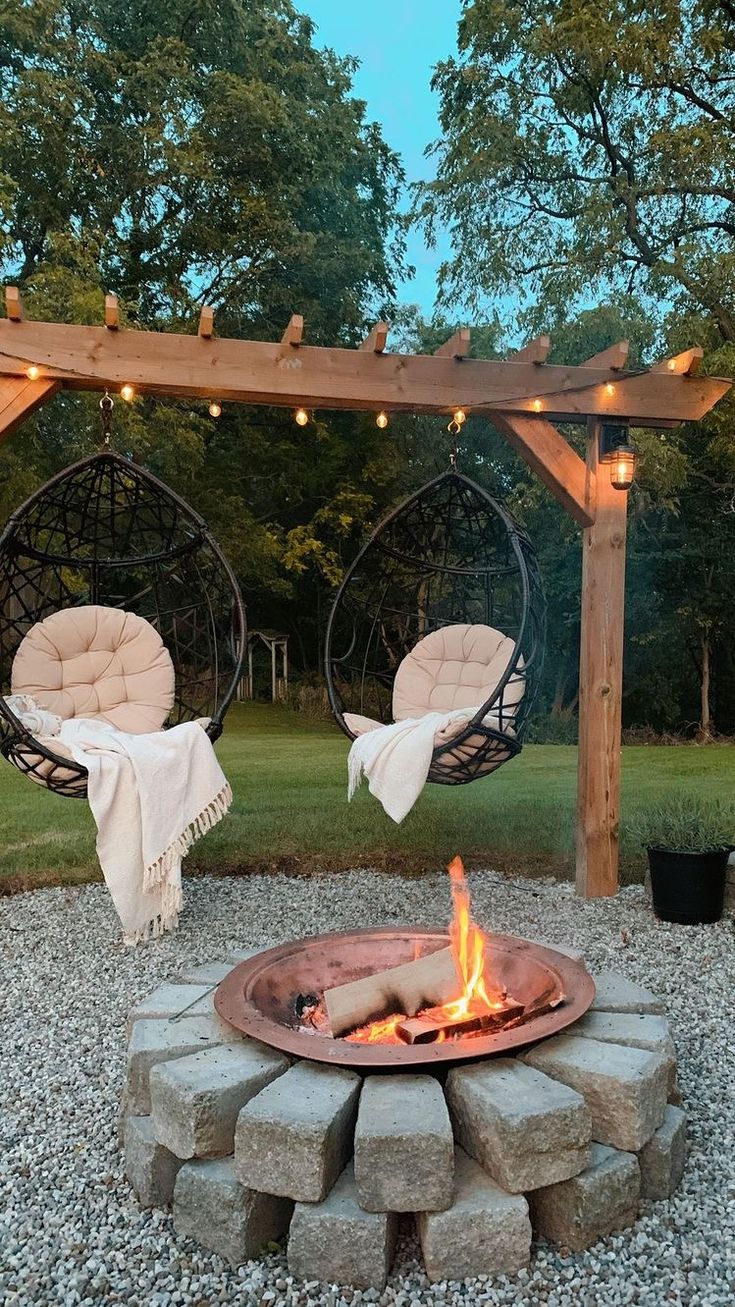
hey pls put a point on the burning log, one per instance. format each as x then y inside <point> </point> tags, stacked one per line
<point>424,983</point>
<point>428,1028</point>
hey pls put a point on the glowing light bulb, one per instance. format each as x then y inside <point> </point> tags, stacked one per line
<point>301,417</point>
<point>609,388</point>
<point>127,392</point>
<point>381,421</point>
<point>460,417</point>
<point>33,372</point>
<point>622,467</point>
<point>671,365</point>
<point>537,406</point>
<point>215,409</point>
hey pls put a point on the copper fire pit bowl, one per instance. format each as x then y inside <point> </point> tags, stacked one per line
<point>259,995</point>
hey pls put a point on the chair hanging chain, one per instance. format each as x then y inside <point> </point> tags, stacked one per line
<point>454,428</point>
<point>106,407</point>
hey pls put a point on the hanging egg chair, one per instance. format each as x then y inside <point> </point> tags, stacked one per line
<point>115,602</point>
<point>442,609</point>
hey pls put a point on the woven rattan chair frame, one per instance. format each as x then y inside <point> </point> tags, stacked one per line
<point>106,531</point>
<point>449,554</point>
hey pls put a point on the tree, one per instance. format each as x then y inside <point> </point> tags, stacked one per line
<point>588,149</point>
<point>184,153</point>
<point>198,153</point>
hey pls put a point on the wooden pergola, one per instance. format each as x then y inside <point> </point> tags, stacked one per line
<point>525,397</point>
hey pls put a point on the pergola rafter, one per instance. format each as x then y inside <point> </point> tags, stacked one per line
<point>525,397</point>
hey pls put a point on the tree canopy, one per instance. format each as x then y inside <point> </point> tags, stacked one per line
<point>588,150</point>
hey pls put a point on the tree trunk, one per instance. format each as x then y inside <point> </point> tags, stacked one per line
<point>705,719</point>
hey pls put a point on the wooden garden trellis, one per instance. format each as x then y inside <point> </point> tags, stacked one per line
<point>525,397</point>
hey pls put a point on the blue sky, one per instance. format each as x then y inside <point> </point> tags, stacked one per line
<point>398,42</point>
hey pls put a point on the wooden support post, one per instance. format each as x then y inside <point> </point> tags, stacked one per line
<point>601,683</point>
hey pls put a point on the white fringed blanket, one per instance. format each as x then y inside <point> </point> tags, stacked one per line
<point>396,758</point>
<point>152,796</point>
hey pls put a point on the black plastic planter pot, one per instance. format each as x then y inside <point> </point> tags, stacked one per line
<point>688,888</point>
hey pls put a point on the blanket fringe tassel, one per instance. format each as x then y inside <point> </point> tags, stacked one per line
<point>163,873</point>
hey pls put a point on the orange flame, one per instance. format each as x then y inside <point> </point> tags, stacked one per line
<point>477,995</point>
<point>468,946</point>
<point>378,1032</point>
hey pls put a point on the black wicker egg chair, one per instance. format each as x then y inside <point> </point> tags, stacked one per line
<point>107,532</point>
<point>450,555</point>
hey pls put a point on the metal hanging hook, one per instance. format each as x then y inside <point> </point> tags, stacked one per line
<point>106,406</point>
<point>454,428</point>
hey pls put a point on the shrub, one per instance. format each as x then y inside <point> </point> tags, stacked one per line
<point>685,825</point>
<point>309,699</point>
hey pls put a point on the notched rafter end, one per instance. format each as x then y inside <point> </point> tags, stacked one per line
<point>294,332</point>
<point>206,322</point>
<point>457,347</point>
<point>685,364</point>
<point>376,341</point>
<point>534,351</point>
<point>112,313</point>
<point>13,304</point>
<point>614,357</point>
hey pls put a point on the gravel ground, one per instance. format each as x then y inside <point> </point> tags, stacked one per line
<point>70,1229</point>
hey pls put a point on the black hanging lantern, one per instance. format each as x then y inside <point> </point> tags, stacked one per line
<point>107,532</point>
<point>617,452</point>
<point>450,555</point>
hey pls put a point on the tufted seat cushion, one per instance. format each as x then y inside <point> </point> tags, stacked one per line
<point>97,662</point>
<point>455,667</point>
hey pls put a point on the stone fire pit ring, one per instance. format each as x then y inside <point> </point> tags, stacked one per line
<point>249,1146</point>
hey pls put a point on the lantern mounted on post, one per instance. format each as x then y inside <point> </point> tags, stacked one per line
<point>618,453</point>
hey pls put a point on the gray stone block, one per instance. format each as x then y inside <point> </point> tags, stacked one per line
<point>624,1088</point>
<point>154,1040</point>
<point>170,999</point>
<point>603,1198</point>
<point>525,1129</point>
<point>617,994</point>
<point>337,1241</point>
<point>150,1168</point>
<point>663,1159</point>
<point>568,950</point>
<point>195,1100</point>
<point>207,973</point>
<point>633,1029</point>
<point>223,1216</point>
<point>295,1137</point>
<point>486,1231</point>
<point>404,1149</point>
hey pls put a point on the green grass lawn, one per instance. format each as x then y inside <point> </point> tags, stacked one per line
<point>290,811</point>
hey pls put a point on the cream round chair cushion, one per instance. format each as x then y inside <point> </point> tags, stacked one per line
<point>97,662</point>
<point>455,667</point>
